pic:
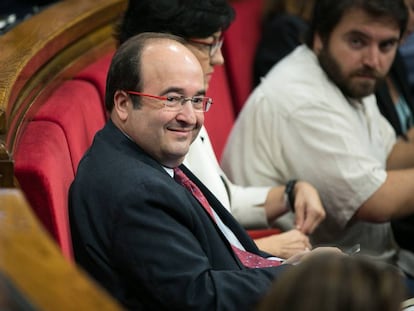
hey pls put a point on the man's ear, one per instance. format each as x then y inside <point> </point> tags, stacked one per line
<point>122,104</point>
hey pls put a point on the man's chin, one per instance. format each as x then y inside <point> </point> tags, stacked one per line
<point>180,151</point>
<point>361,90</point>
<point>173,159</point>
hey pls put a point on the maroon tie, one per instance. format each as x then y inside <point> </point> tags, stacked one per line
<point>248,259</point>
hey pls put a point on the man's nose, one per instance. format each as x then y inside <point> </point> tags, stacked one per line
<point>187,112</point>
<point>372,57</point>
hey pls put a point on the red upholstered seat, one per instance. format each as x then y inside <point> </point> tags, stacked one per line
<point>96,73</point>
<point>52,102</point>
<point>51,148</point>
<point>76,106</point>
<point>260,233</point>
<point>239,49</point>
<point>44,170</point>
<point>220,118</point>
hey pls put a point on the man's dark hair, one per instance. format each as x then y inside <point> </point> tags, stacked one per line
<point>328,13</point>
<point>184,18</point>
<point>125,69</point>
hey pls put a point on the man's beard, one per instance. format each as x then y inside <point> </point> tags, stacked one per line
<point>349,87</point>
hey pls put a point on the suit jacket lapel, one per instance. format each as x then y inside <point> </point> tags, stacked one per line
<point>224,215</point>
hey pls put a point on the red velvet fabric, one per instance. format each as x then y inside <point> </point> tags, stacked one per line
<point>96,74</point>
<point>239,48</point>
<point>76,107</point>
<point>50,149</point>
<point>44,170</point>
<point>220,118</point>
<point>261,233</point>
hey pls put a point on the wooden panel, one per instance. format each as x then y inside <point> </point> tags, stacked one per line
<point>34,264</point>
<point>42,51</point>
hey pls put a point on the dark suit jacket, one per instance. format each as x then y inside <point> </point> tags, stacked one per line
<point>148,241</point>
<point>399,75</point>
<point>403,228</point>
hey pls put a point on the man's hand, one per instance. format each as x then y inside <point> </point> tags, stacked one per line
<point>284,245</point>
<point>309,211</point>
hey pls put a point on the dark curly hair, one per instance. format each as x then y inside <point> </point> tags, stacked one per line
<point>184,18</point>
<point>328,13</point>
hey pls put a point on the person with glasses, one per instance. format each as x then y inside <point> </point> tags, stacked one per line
<point>175,102</point>
<point>142,224</point>
<point>201,23</point>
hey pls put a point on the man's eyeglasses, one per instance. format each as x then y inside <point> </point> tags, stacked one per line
<point>175,103</point>
<point>213,47</point>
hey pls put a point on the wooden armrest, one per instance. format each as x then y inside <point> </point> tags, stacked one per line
<point>35,266</point>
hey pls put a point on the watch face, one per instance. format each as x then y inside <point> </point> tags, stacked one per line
<point>290,193</point>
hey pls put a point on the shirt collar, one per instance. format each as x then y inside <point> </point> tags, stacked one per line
<point>170,171</point>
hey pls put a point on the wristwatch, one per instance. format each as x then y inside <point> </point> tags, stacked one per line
<point>290,194</point>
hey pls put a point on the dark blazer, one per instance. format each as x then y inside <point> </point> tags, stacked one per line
<point>148,241</point>
<point>398,74</point>
<point>403,228</point>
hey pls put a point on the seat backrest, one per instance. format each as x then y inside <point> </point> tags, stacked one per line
<point>239,48</point>
<point>220,118</point>
<point>44,171</point>
<point>50,149</point>
<point>50,104</point>
<point>77,108</point>
<point>96,73</point>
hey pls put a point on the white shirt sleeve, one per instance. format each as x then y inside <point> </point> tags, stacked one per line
<point>245,203</point>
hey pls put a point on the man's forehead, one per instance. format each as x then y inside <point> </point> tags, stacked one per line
<point>168,62</point>
<point>359,21</point>
<point>166,54</point>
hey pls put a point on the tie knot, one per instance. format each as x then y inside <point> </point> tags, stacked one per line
<point>184,180</point>
<point>180,176</point>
